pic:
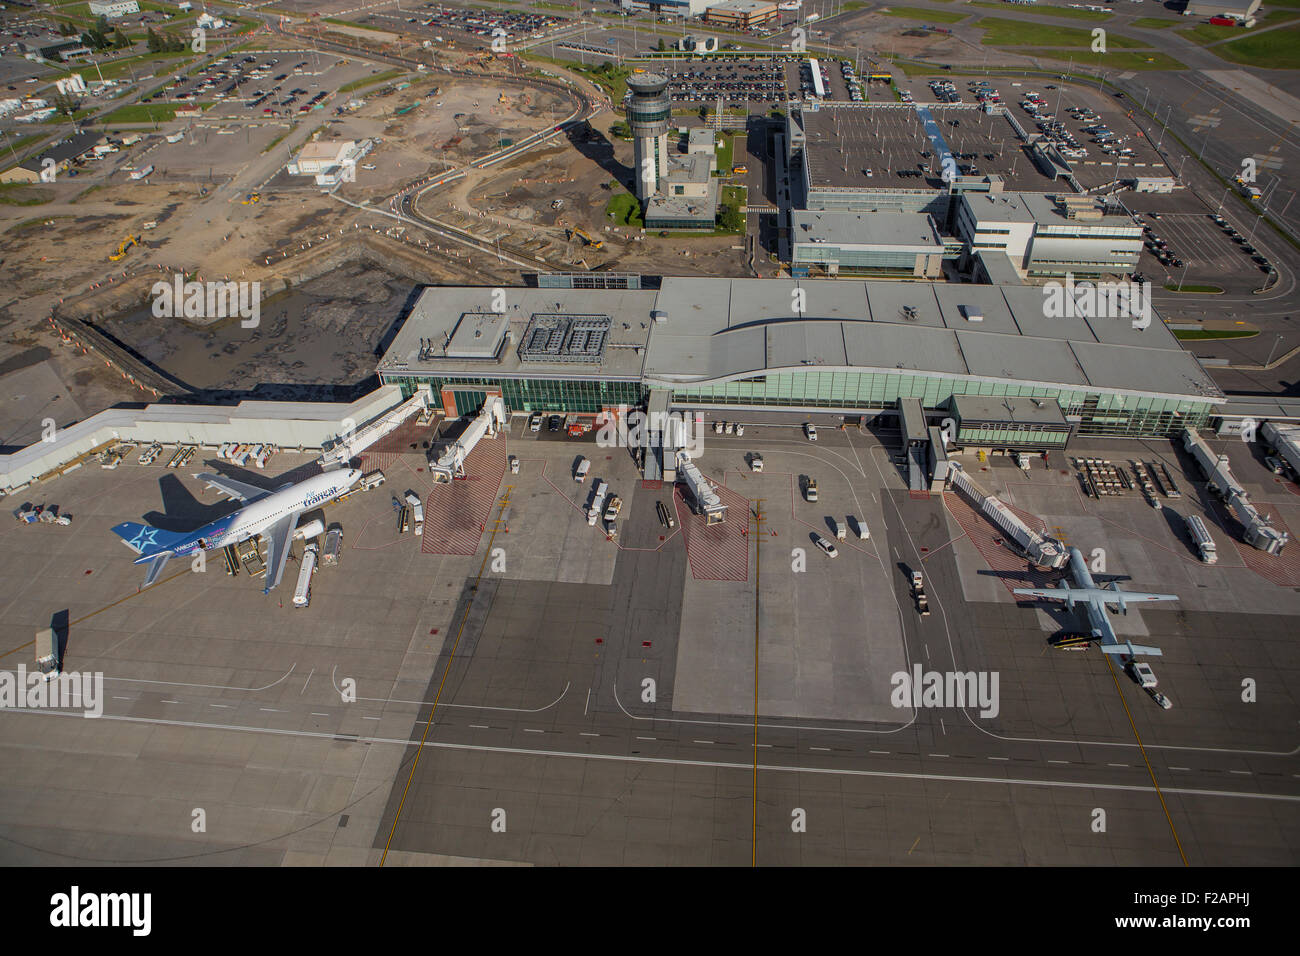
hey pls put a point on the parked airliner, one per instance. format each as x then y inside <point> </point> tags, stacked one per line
<point>1095,599</point>
<point>272,514</point>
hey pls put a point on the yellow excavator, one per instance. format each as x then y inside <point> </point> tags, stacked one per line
<point>127,243</point>
<point>250,199</point>
<point>585,237</point>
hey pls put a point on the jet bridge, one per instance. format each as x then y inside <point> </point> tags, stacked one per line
<point>354,442</point>
<point>1043,552</point>
<point>451,463</point>
<point>707,500</point>
<point>1259,532</point>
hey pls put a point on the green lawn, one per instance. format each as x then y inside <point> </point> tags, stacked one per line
<point>149,112</point>
<point>1204,33</point>
<point>1002,32</point>
<point>1068,12</point>
<point>1276,50</point>
<point>725,152</point>
<point>373,79</point>
<point>1207,334</point>
<point>21,194</point>
<point>916,13</point>
<point>1116,59</point>
<point>625,210</point>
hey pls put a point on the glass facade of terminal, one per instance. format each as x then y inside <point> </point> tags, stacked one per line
<point>531,394</point>
<point>1131,416</point>
<point>1098,414</point>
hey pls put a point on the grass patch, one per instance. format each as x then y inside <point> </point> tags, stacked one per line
<point>726,154</point>
<point>554,6</point>
<point>1116,59</point>
<point>625,210</point>
<point>359,26</point>
<point>1002,32</point>
<point>372,79</point>
<point>150,112</point>
<point>1187,287</point>
<point>1204,33</point>
<point>916,13</point>
<point>275,142</point>
<point>144,64</point>
<point>1202,335</point>
<point>21,194</point>
<point>1275,50</point>
<point>1068,12</point>
<point>1153,23</point>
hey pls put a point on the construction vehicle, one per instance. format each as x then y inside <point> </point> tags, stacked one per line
<point>585,236</point>
<point>451,464</point>
<point>250,199</point>
<point>127,243</point>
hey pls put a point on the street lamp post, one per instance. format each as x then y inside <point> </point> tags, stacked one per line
<point>1276,343</point>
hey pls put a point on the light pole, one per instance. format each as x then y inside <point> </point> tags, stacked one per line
<point>1184,275</point>
<point>1252,227</point>
<point>1276,343</point>
<point>1223,198</point>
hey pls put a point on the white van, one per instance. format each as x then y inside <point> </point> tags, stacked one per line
<point>580,473</point>
<point>302,593</point>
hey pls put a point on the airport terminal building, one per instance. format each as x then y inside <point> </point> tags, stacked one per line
<point>851,347</point>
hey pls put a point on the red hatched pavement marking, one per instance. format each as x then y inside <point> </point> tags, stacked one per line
<point>719,552</point>
<point>456,513</point>
<point>1282,569</point>
<point>1016,572</point>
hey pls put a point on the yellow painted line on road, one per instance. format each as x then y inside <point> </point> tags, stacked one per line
<point>451,659</point>
<point>1143,750</point>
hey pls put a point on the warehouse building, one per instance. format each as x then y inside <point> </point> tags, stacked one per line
<point>741,14</point>
<point>838,346</point>
<point>113,8</point>
<point>62,155</point>
<point>1242,9</point>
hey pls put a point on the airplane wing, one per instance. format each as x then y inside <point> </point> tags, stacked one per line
<point>1131,650</point>
<point>277,548</point>
<point>155,568</point>
<point>1047,594</point>
<point>1129,597</point>
<point>232,488</point>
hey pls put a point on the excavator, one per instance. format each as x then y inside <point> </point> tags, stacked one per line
<point>585,237</point>
<point>127,243</point>
<point>250,199</point>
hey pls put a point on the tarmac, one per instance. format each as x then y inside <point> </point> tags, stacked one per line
<point>558,698</point>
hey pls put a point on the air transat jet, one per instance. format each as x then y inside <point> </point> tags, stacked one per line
<point>272,514</point>
<point>1094,599</point>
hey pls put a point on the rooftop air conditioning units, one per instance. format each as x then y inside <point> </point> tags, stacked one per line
<point>659,315</point>
<point>972,313</point>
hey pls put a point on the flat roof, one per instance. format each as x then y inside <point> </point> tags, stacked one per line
<point>438,312</point>
<point>845,228</point>
<point>721,329</point>
<point>999,207</point>
<point>1020,410</point>
<point>478,335</point>
<point>840,141</point>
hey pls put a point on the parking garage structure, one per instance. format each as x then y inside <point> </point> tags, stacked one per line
<point>841,346</point>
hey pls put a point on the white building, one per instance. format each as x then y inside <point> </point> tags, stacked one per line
<point>836,242</point>
<point>113,8</point>
<point>330,161</point>
<point>70,84</point>
<point>1045,234</point>
<point>208,22</point>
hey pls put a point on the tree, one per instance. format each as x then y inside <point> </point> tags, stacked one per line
<point>120,41</point>
<point>731,219</point>
<point>661,47</point>
<point>66,103</point>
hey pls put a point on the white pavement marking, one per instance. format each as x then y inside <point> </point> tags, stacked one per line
<point>673,761</point>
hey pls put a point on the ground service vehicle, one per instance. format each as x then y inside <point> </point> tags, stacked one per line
<point>841,532</point>
<point>333,545</point>
<point>47,653</point>
<point>810,492</point>
<point>665,516</point>
<point>580,473</point>
<point>1143,674</point>
<point>613,508</point>
<point>302,593</point>
<point>417,511</point>
<point>372,480</point>
<point>830,549</point>
<point>810,430</point>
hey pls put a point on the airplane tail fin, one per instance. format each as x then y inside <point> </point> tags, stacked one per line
<point>146,540</point>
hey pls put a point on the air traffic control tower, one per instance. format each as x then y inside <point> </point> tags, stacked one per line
<point>649,113</point>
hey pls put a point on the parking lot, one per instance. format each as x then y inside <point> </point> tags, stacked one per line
<point>272,84</point>
<point>737,84</point>
<point>1193,247</point>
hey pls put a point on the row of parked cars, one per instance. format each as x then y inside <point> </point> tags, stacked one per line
<point>1255,255</point>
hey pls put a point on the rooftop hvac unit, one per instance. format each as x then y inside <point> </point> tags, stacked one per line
<point>972,313</point>
<point>659,315</point>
